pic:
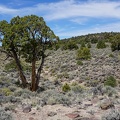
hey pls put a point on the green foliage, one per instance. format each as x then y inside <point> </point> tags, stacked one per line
<point>111,81</point>
<point>115,45</point>
<point>101,44</point>
<point>94,40</point>
<point>66,87</point>
<point>79,62</point>
<point>82,44</point>
<point>12,66</point>
<point>115,42</point>
<point>83,53</point>
<point>70,45</point>
<point>111,55</point>
<point>5,91</point>
<point>89,45</point>
<point>56,46</point>
<point>74,83</point>
<point>64,47</point>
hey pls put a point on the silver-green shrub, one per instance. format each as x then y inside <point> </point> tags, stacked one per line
<point>5,115</point>
<point>112,115</point>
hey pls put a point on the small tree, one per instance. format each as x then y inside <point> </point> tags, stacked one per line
<point>69,45</point>
<point>83,53</point>
<point>101,44</point>
<point>26,37</point>
<point>72,45</point>
<point>115,43</point>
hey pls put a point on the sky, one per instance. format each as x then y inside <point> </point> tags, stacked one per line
<point>68,18</point>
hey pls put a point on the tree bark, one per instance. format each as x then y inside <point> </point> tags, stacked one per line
<point>33,83</point>
<point>19,67</point>
<point>40,69</point>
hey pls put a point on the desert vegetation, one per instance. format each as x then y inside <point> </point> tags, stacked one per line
<point>39,71</point>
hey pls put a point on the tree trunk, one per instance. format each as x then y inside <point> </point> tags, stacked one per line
<point>19,67</point>
<point>33,83</point>
<point>40,69</point>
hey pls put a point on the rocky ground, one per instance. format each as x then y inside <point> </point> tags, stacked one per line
<point>87,99</point>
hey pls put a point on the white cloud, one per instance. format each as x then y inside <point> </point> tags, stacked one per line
<point>6,10</point>
<point>74,11</point>
<point>68,9</point>
<point>80,20</point>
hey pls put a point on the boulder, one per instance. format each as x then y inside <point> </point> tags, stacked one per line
<point>106,105</point>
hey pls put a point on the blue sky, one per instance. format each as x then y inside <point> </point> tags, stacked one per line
<point>68,18</point>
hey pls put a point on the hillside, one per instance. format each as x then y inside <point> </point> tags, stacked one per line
<point>96,36</point>
<point>68,90</point>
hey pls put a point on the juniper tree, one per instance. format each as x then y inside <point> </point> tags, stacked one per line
<point>26,37</point>
<point>115,42</point>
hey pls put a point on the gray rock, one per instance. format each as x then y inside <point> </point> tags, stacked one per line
<point>51,114</point>
<point>26,108</point>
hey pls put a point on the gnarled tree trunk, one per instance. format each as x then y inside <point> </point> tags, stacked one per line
<point>19,67</point>
<point>33,86</point>
<point>40,69</point>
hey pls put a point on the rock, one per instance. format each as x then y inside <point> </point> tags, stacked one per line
<point>88,104</point>
<point>51,114</point>
<point>101,97</point>
<point>42,103</point>
<point>31,118</point>
<point>72,115</point>
<point>33,113</point>
<point>106,105</point>
<point>27,109</point>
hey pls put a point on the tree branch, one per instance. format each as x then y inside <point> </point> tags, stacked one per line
<point>8,54</point>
